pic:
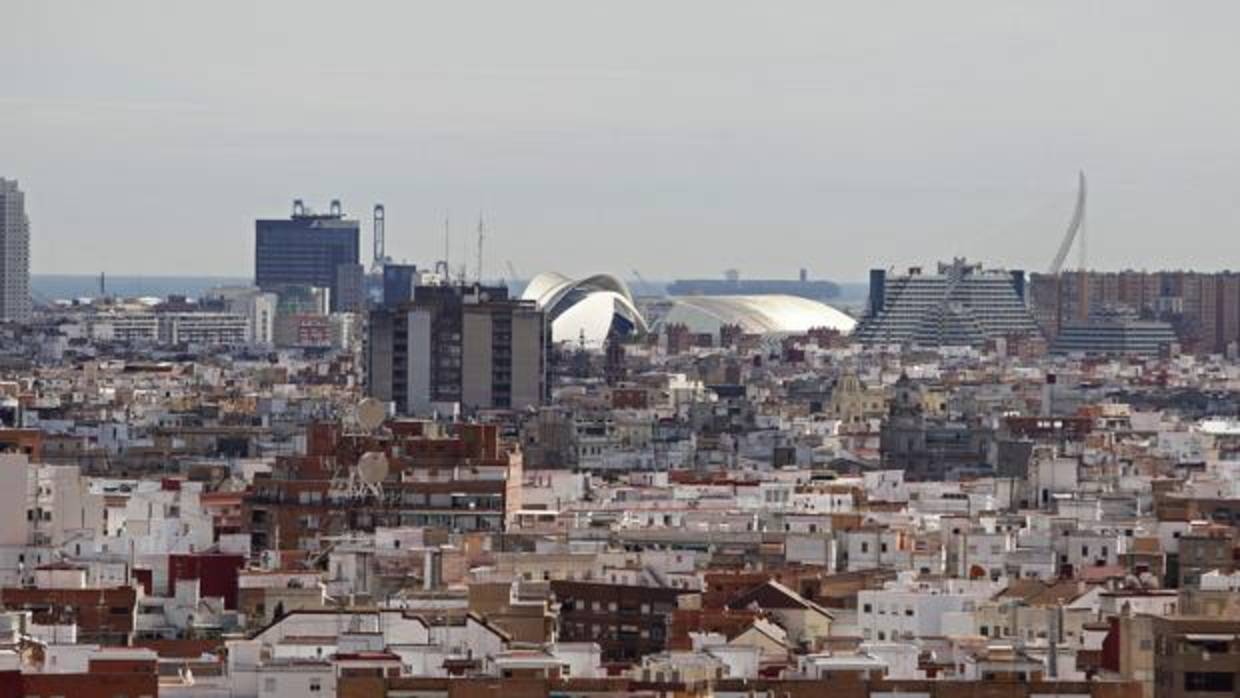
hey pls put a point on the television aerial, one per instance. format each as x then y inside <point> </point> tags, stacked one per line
<point>372,468</point>
<point>370,414</point>
<point>365,478</point>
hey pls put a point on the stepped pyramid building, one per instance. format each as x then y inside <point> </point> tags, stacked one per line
<point>960,305</point>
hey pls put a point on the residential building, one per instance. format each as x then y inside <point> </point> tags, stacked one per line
<point>466,346</point>
<point>15,304</point>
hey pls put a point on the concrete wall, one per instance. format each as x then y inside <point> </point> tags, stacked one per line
<point>14,473</point>
<point>419,362</point>
<point>527,359</point>
<point>476,364</point>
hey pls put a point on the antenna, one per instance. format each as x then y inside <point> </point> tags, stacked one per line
<point>370,414</point>
<point>372,468</point>
<point>379,252</point>
<point>480,238</point>
<point>367,475</point>
<point>447,245</point>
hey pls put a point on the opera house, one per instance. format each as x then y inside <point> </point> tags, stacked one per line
<point>588,310</point>
<point>585,310</point>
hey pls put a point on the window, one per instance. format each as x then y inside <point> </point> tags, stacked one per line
<point>269,684</point>
<point>867,608</point>
<point>316,685</point>
<point>1214,681</point>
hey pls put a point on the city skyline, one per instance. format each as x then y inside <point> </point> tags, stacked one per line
<point>838,142</point>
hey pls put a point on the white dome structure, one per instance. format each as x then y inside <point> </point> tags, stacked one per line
<point>759,314</point>
<point>585,310</point>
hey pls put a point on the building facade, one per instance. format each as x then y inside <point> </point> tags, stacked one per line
<point>309,249</point>
<point>1115,338</point>
<point>14,254</point>
<point>961,304</point>
<point>1203,308</point>
<point>458,345</point>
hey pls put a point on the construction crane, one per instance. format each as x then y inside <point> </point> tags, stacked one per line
<point>640,279</point>
<point>1078,220</point>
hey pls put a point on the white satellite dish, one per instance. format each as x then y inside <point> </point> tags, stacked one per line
<point>372,467</point>
<point>370,414</point>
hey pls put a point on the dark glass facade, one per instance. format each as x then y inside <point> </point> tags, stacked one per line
<point>305,250</point>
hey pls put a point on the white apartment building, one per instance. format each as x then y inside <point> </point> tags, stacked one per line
<point>203,328</point>
<point>907,610</point>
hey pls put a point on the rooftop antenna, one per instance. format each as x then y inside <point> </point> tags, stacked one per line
<point>447,246</point>
<point>379,252</point>
<point>480,239</point>
<point>462,274</point>
<point>365,478</point>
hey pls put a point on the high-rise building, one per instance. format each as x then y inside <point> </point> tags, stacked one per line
<point>310,249</point>
<point>398,283</point>
<point>469,346</point>
<point>961,304</point>
<point>14,254</point>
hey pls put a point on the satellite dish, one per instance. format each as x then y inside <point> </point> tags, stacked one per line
<point>371,413</point>
<point>372,467</point>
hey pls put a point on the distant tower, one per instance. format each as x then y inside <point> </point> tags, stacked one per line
<point>14,254</point>
<point>379,252</point>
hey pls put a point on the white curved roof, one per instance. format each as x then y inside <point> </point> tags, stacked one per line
<point>583,309</point>
<point>758,314</point>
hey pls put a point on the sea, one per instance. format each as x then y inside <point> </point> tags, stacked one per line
<point>46,288</point>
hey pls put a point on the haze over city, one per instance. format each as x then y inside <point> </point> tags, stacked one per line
<point>681,349</point>
<point>672,138</point>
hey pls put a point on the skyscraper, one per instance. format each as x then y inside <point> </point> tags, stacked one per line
<point>309,249</point>
<point>14,254</point>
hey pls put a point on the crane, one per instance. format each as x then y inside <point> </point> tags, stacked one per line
<point>641,280</point>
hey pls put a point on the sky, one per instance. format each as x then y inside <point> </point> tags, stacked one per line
<point>672,138</point>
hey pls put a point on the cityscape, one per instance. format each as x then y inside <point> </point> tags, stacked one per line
<point>380,458</point>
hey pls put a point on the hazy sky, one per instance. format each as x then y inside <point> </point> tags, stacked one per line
<point>674,137</point>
